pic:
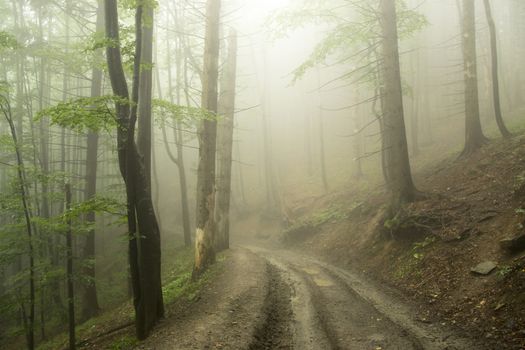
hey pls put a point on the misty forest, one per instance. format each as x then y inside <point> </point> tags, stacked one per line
<point>279,174</point>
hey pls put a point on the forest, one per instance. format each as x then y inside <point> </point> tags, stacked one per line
<point>279,174</point>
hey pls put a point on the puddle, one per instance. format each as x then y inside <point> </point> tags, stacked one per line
<point>322,282</point>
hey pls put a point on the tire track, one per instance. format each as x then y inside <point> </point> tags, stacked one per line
<point>275,330</point>
<point>335,309</point>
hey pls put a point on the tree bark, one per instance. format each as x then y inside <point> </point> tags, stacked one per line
<point>394,132</point>
<point>144,235</point>
<point>225,147</point>
<point>30,329</point>
<point>69,273</point>
<point>205,226</point>
<point>474,137</point>
<point>495,76</point>
<point>90,307</point>
<point>322,154</point>
<point>179,140</point>
<point>145,90</point>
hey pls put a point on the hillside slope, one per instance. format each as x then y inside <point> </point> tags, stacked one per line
<point>428,250</point>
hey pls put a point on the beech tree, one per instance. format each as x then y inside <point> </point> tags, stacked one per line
<point>144,235</point>
<point>494,69</point>
<point>474,137</point>
<point>90,305</point>
<point>205,226</point>
<point>225,146</point>
<point>394,133</point>
<point>29,320</point>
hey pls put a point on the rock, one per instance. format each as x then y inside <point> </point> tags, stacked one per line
<point>484,268</point>
<point>513,244</point>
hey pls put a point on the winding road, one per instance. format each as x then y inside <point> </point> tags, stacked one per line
<point>278,299</point>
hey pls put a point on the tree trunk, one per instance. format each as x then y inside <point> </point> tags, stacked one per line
<point>205,226</point>
<point>69,273</point>
<point>225,147</point>
<point>394,132</point>
<point>30,324</point>
<point>474,137</point>
<point>144,235</point>
<point>273,204</point>
<point>495,76</point>
<point>90,307</point>
<point>322,154</point>
<point>179,141</point>
<point>145,91</point>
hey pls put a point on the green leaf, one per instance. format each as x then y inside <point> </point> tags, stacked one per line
<point>87,113</point>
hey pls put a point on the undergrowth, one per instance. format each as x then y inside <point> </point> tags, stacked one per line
<point>177,285</point>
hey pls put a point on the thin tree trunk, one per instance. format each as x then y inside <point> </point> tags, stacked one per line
<point>179,141</point>
<point>495,76</point>
<point>225,147</point>
<point>241,175</point>
<point>69,272</point>
<point>90,307</point>
<point>394,133</point>
<point>321,135</point>
<point>30,328</point>
<point>273,205</point>
<point>205,226</point>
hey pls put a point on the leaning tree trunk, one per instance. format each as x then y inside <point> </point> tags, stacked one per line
<point>30,329</point>
<point>144,235</point>
<point>225,147</point>
<point>495,76</point>
<point>474,137</point>
<point>90,307</point>
<point>205,226</point>
<point>394,132</point>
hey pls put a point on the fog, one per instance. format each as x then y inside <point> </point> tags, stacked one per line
<point>115,147</point>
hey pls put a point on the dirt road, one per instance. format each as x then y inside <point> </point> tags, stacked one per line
<point>275,299</point>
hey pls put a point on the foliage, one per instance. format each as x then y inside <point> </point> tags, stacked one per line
<point>97,204</point>
<point>86,113</point>
<point>188,116</point>
<point>7,41</point>
<point>351,39</point>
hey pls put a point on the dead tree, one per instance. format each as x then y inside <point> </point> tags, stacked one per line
<point>205,226</point>
<point>225,147</point>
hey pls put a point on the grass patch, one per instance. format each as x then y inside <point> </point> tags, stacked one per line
<point>124,343</point>
<point>410,261</point>
<point>331,214</point>
<point>177,285</point>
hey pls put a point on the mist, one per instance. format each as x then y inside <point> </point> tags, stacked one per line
<point>238,174</point>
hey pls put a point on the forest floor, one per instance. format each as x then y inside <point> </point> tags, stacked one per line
<point>428,250</point>
<point>349,277</point>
